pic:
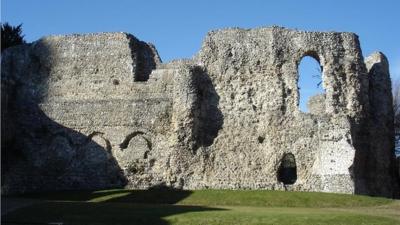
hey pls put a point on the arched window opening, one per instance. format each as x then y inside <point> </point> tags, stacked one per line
<point>311,90</point>
<point>287,172</point>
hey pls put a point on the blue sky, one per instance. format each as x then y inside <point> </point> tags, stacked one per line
<point>177,27</point>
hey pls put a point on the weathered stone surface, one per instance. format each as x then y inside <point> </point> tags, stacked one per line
<point>316,104</point>
<point>381,165</point>
<point>101,110</point>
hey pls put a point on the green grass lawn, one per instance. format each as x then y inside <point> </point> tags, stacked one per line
<point>155,207</point>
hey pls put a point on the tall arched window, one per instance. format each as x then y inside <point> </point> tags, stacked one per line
<point>311,91</point>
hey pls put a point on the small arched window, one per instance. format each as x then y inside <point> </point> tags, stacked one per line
<point>310,86</point>
<point>287,171</point>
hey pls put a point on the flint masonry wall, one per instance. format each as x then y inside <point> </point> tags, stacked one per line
<point>101,110</point>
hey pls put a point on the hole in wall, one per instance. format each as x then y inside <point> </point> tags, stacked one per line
<point>309,84</point>
<point>115,82</point>
<point>287,171</point>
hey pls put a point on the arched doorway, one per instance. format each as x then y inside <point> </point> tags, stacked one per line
<point>287,171</point>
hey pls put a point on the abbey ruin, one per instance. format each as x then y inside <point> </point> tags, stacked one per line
<point>100,110</point>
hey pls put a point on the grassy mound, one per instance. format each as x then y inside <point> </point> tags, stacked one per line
<point>206,207</point>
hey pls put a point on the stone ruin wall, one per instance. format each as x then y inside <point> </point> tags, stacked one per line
<point>101,110</point>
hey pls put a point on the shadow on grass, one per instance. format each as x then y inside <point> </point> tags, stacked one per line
<point>161,195</point>
<point>105,207</point>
